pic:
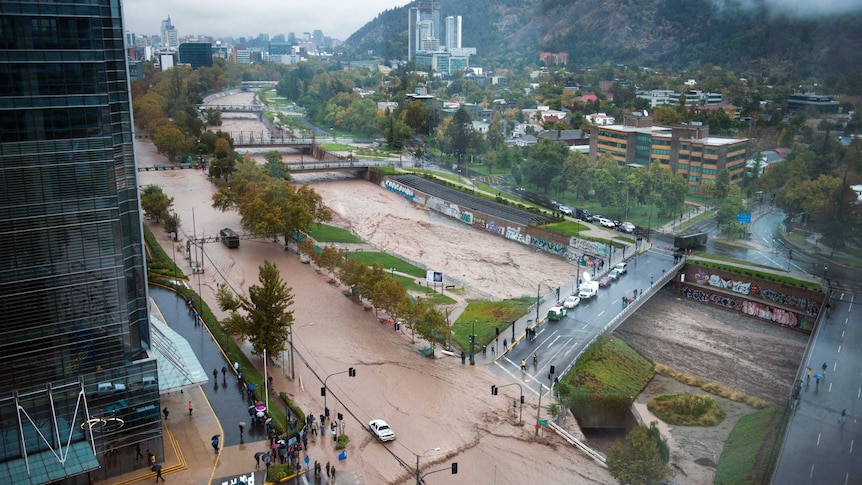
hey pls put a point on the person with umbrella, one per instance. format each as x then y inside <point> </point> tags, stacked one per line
<point>215,440</point>
<point>158,470</point>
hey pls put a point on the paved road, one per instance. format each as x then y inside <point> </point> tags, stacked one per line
<point>560,343</point>
<point>818,449</point>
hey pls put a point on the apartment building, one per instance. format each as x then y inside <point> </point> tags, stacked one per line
<point>686,149</point>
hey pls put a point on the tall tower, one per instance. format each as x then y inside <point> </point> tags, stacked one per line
<point>413,41</point>
<point>75,342</point>
<point>170,39</point>
<point>453,32</point>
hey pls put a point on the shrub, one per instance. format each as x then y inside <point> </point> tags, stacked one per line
<point>342,442</point>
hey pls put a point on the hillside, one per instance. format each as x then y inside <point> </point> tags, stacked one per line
<point>678,33</point>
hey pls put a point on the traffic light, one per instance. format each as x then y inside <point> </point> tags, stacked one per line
<point>351,372</point>
<point>454,468</point>
<point>552,370</point>
<point>497,331</point>
<point>493,390</point>
<point>522,399</point>
<point>340,417</point>
<point>322,391</point>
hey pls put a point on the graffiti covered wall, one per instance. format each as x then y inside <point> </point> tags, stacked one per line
<point>786,305</point>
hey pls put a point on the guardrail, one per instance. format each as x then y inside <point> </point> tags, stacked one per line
<point>595,455</point>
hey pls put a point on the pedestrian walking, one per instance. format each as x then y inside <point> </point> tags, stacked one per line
<point>824,367</point>
<point>151,458</point>
<point>214,443</point>
<point>504,344</point>
<point>327,468</point>
<point>138,455</point>
<point>158,470</point>
<point>241,429</point>
<point>807,375</point>
<point>843,417</point>
<point>236,366</point>
<point>334,433</point>
<point>333,473</point>
<point>224,374</point>
<point>191,408</point>
<point>166,412</point>
<point>492,351</point>
<point>215,375</point>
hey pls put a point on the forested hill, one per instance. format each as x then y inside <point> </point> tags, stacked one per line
<point>679,33</point>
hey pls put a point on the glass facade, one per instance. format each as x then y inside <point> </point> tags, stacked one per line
<point>74,330</point>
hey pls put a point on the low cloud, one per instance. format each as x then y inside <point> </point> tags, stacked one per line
<point>795,8</point>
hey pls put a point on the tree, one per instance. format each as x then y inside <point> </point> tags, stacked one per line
<point>457,134</point>
<point>637,461</point>
<point>394,131</point>
<point>722,183</point>
<point>155,202</point>
<point>432,326</point>
<point>544,162</point>
<point>170,141</point>
<point>415,116</point>
<point>172,224</point>
<point>265,317</point>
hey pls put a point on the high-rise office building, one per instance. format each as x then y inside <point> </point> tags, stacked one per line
<point>170,37</point>
<point>453,32</point>
<point>80,383</point>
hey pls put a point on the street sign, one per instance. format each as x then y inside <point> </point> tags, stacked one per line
<point>743,218</point>
<point>543,422</point>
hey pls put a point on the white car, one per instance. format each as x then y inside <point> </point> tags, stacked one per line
<point>622,268</point>
<point>381,430</point>
<point>572,301</point>
<point>607,223</point>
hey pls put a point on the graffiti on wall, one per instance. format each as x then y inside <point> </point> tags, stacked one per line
<point>494,228</point>
<point>466,217</point>
<point>399,189</point>
<point>514,234</point>
<point>549,246</point>
<point>767,312</point>
<point>809,307</point>
<point>714,298</point>
<point>586,246</point>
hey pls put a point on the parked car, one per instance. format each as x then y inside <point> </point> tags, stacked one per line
<point>572,301</point>
<point>566,210</point>
<point>604,282</point>
<point>381,430</point>
<point>627,227</point>
<point>614,274</point>
<point>583,215</point>
<point>607,223</point>
<point>596,218</point>
<point>622,268</point>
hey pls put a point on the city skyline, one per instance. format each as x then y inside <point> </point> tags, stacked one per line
<point>221,19</point>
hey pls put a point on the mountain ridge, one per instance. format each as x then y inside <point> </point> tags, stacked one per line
<point>674,33</point>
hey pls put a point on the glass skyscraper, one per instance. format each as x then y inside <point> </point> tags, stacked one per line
<point>79,378</point>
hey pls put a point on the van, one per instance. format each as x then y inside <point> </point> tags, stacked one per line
<point>229,238</point>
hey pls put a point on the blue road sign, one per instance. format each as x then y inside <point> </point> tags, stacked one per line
<point>743,218</point>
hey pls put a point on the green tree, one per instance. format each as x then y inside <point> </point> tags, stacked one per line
<point>213,117</point>
<point>432,326</point>
<point>722,183</point>
<point>637,461</point>
<point>394,131</point>
<point>155,202</point>
<point>172,224</point>
<point>457,135</point>
<point>415,116</point>
<point>544,162</point>
<point>275,165</point>
<point>170,141</point>
<point>263,317</point>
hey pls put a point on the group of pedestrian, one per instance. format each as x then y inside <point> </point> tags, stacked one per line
<point>330,470</point>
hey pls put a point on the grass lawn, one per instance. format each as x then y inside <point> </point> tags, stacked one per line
<point>488,316</point>
<point>745,458</point>
<point>431,296</point>
<point>386,261</point>
<point>325,233</point>
<point>610,366</point>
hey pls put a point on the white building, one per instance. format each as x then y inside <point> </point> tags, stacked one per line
<point>601,119</point>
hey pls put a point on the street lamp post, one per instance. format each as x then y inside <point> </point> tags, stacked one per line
<point>418,476</point>
<point>626,216</point>
<point>473,344</point>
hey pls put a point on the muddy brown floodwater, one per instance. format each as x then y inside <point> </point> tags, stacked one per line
<point>438,403</point>
<point>430,403</point>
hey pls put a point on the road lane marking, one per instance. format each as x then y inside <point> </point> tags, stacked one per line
<point>585,326</point>
<point>811,473</point>
<point>851,446</point>
<point>830,387</point>
<point>600,314</point>
<point>818,443</point>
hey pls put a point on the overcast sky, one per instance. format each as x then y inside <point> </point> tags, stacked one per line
<point>248,18</point>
